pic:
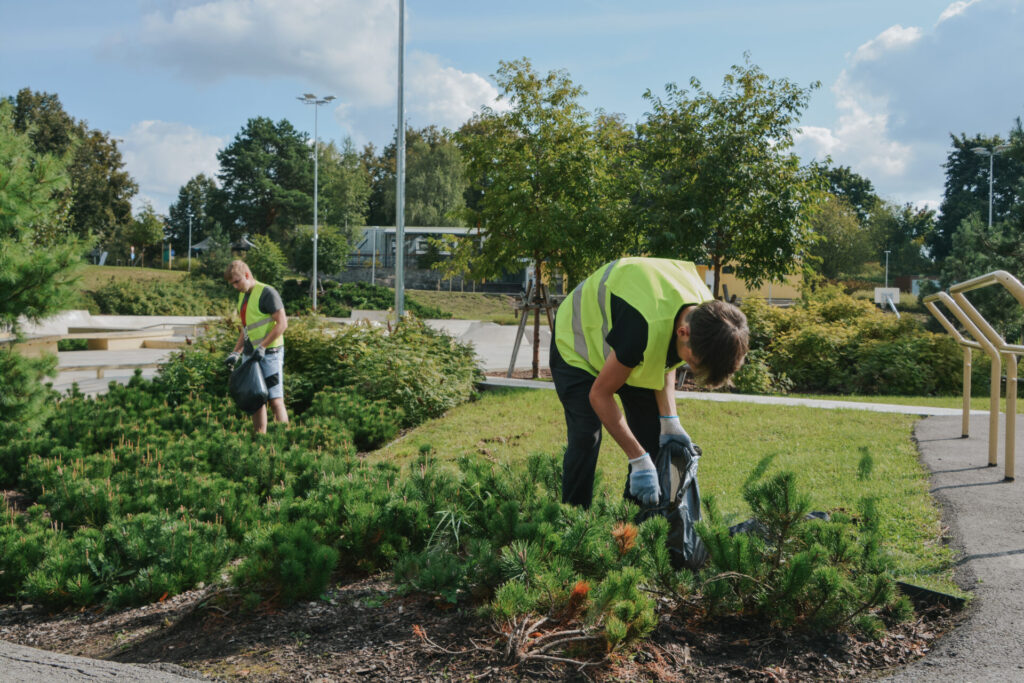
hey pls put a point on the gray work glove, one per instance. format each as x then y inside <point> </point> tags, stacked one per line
<point>643,480</point>
<point>671,430</point>
<point>260,352</point>
<point>232,360</point>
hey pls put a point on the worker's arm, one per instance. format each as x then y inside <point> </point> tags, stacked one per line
<point>280,325</point>
<point>602,398</point>
<point>666,396</point>
<point>240,344</point>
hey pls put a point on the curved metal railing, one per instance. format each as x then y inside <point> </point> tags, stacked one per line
<point>995,347</point>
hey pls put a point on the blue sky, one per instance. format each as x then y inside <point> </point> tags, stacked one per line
<point>176,80</point>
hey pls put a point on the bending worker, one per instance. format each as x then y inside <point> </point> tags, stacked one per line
<point>624,330</point>
<point>263,324</point>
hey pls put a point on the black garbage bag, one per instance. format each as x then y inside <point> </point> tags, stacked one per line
<point>247,386</point>
<point>681,508</point>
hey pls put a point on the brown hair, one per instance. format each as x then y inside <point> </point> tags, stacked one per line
<point>719,338</point>
<point>235,269</point>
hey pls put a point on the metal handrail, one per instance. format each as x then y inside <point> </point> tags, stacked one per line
<point>990,350</point>
<point>967,346</point>
<point>1010,351</point>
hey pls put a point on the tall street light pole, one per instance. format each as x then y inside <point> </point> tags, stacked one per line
<point>310,98</point>
<point>400,172</point>
<point>990,153</point>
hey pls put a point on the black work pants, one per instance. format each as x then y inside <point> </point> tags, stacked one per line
<point>583,429</point>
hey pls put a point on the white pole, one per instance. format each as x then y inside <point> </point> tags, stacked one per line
<point>316,193</point>
<point>887,268</point>
<point>400,175</point>
<point>190,240</point>
<point>991,156</point>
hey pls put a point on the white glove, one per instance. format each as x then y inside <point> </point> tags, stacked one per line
<point>643,480</point>
<point>671,430</point>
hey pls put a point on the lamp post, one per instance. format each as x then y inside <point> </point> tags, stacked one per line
<point>190,241</point>
<point>400,172</point>
<point>887,268</point>
<point>310,98</point>
<point>990,153</point>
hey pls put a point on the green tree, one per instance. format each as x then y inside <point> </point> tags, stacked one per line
<point>333,248</point>
<point>195,208</point>
<point>967,184</point>
<point>435,180</point>
<point>856,190</point>
<point>98,197</point>
<point>344,185</point>
<point>266,176</point>
<point>267,261</point>
<point>37,274</point>
<point>843,245</point>
<point>903,231</point>
<point>145,231</point>
<point>718,183</point>
<point>541,179</point>
<point>977,249</point>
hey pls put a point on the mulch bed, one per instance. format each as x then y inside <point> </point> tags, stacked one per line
<point>363,630</point>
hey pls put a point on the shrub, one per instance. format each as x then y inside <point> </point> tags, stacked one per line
<point>834,343</point>
<point>287,560</point>
<point>157,297</point>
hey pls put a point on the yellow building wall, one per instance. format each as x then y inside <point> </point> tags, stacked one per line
<point>788,289</point>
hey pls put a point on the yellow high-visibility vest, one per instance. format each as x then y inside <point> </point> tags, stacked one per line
<point>258,323</point>
<point>656,288</point>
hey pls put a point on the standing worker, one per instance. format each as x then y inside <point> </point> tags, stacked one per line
<point>624,330</point>
<point>263,325</point>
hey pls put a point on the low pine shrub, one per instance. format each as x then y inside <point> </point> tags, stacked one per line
<point>287,560</point>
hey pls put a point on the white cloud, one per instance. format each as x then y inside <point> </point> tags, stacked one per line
<point>163,156</point>
<point>346,47</point>
<point>904,92</point>
<point>955,9</point>
<point>892,38</point>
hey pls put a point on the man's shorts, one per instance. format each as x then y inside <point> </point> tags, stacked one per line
<point>272,366</point>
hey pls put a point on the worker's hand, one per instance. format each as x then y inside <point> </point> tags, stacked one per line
<point>261,352</point>
<point>643,480</point>
<point>232,360</point>
<point>671,430</point>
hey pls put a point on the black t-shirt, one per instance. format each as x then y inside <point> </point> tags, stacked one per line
<point>628,335</point>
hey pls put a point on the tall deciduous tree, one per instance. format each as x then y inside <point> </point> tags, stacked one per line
<point>853,188</point>
<point>344,185</point>
<point>435,180</point>
<point>718,183</point>
<point>903,231</point>
<point>843,245</point>
<point>195,208</point>
<point>540,179</point>
<point>541,176</point>
<point>966,188</point>
<point>267,179</point>
<point>146,231</point>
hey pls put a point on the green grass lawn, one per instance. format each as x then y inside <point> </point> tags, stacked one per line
<point>495,308</point>
<point>94,277</point>
<point>508,425</point>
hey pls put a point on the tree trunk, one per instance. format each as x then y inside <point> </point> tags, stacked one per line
<point>536,319</point>
<point>716,263</point>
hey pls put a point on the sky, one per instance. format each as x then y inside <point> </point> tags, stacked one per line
<point>176,80</point>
